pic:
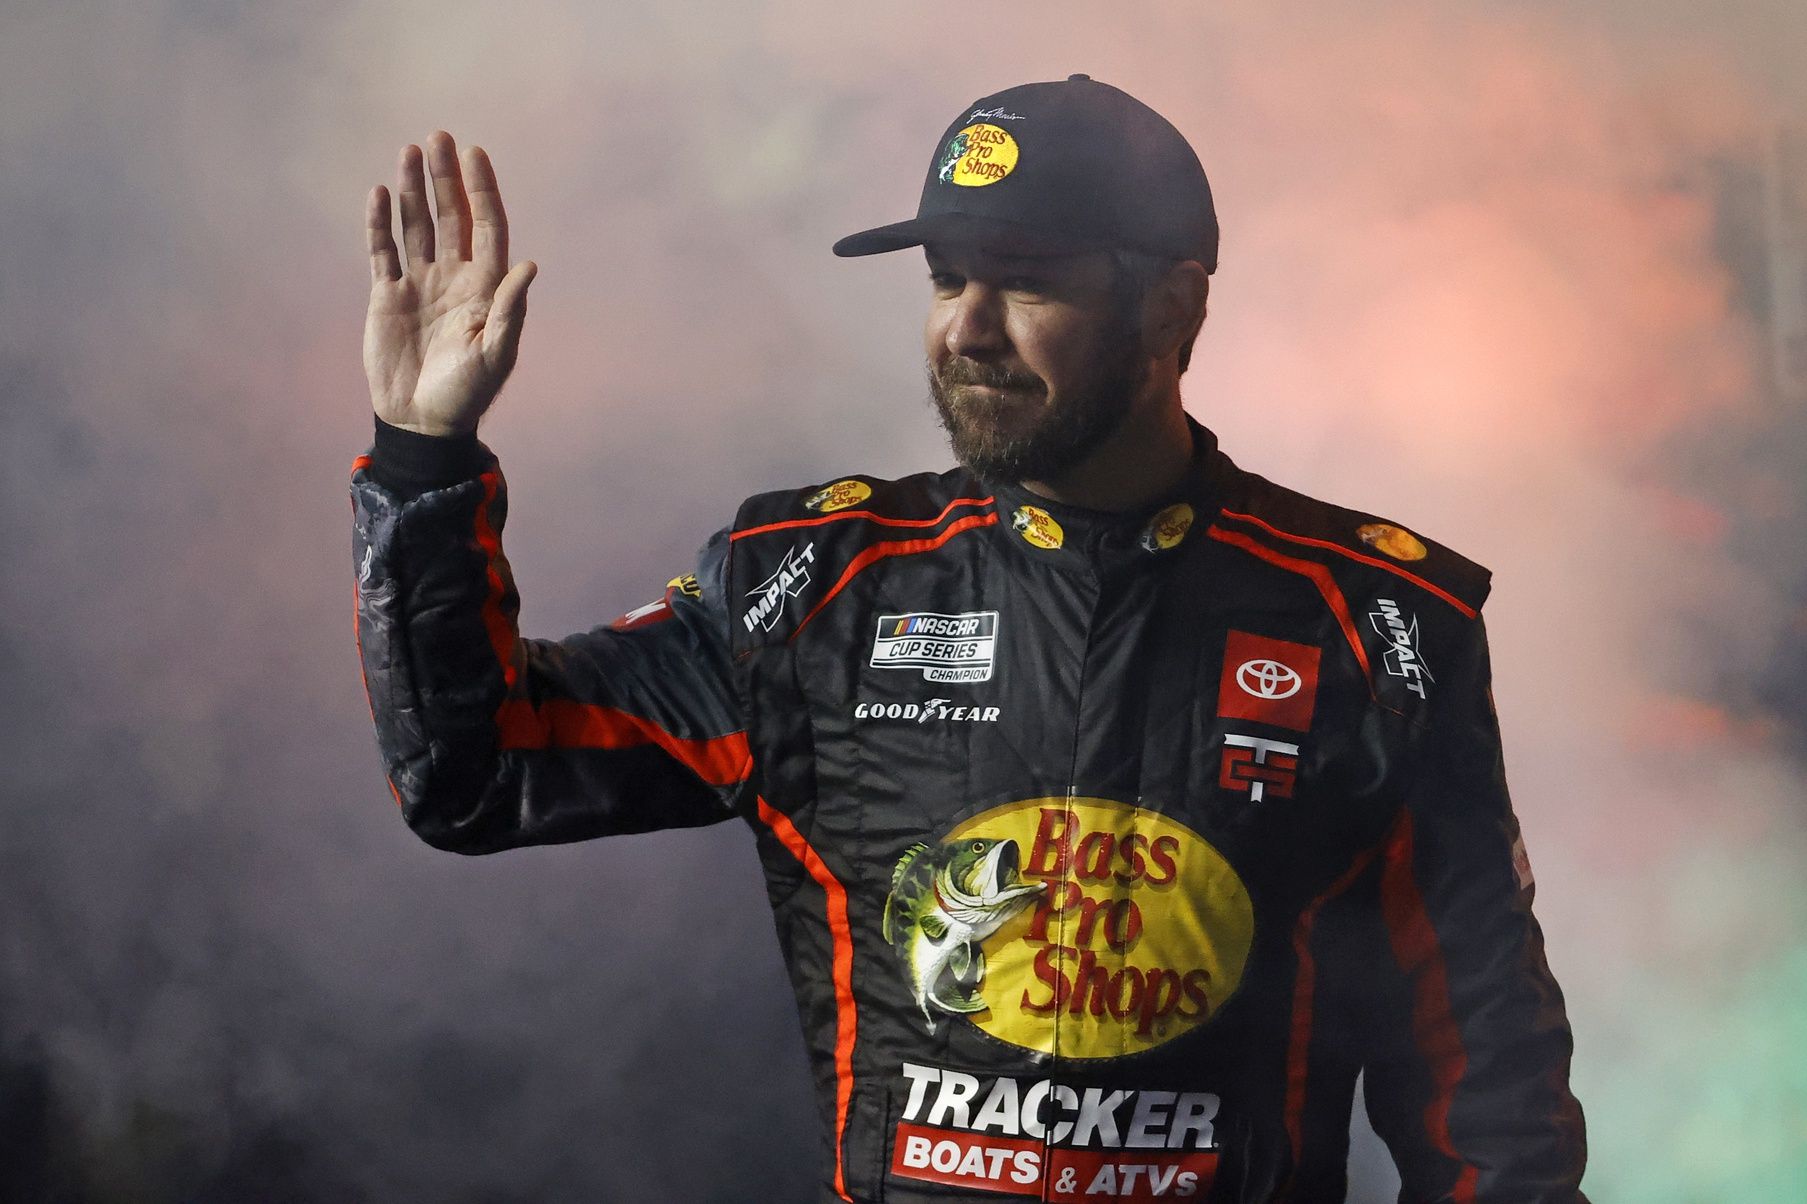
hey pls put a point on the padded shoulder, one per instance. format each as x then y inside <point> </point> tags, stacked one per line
<point>791,549</point>
<point>1355,545</point>
<point>920,496</point>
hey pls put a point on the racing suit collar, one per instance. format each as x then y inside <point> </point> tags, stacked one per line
<point>1079,538</point>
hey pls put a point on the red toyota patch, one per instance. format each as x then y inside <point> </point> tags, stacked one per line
<point>1268,681</point>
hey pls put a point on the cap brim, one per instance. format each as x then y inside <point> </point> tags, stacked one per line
<point>967,227</point>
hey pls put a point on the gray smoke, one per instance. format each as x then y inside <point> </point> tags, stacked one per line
<point>1504,271</point>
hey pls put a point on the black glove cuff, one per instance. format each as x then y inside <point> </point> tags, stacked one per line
<point>408,463</point>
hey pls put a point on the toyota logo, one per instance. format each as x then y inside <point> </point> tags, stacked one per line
<point>1267,679</point>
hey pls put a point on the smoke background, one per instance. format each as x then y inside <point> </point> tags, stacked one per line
<point>1519,275</point>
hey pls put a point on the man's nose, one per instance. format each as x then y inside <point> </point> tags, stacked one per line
<point>975,328</point>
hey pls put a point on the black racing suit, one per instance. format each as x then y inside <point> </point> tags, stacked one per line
<point>1104,850</point>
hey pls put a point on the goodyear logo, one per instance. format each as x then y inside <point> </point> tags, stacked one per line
<point>978,155</point>
<point>838,496</point>
<point>1135,931</point>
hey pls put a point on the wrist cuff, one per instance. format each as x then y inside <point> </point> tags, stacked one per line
<point>408,463</point>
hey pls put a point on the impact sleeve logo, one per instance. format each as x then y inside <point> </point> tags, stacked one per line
<point>1404,655</point>
<point>787,582</point>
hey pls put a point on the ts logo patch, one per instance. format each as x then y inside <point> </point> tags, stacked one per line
<point>1268,681</point>
<point>1404,656</point>
<point>945,647</point>
<point>787,582</point>
<point>1255,765</point>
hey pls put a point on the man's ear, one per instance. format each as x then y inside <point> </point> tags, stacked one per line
<point>1174,308</point>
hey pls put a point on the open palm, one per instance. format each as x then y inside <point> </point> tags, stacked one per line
<point>441,333</point>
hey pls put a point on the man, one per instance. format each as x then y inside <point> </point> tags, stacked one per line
<point>1117,806</point>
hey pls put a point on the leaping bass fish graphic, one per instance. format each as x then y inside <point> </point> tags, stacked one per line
<point>943,902</point>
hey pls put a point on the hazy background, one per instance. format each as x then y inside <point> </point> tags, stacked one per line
<point>1530,277</point>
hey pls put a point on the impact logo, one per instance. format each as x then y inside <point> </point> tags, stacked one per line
<point>947,648</point>
<point>1167,528</point>
<point>1087,924</point>
<point>787,582</point>
<point>1404,655</point>
<point>838,496</point>
<point>1037,527</point>
<point>978,155</point>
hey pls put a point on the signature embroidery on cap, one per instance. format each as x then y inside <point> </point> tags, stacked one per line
<point>997,114</point>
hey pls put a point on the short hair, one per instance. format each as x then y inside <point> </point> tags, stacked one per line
<point>1139,271</point>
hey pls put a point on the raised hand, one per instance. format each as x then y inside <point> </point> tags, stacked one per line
<point>441,334</point>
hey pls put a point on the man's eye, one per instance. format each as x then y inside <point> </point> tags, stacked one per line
<point>1025,284</point>
<point>945,282</point>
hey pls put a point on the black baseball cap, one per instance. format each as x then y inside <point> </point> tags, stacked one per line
<point>1070,164</point>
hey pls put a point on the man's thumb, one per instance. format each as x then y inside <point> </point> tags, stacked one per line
<point>502,332</point>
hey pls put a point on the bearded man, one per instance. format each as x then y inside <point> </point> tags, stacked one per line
<point>1117,805</point>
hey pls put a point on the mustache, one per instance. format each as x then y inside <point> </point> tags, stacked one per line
<point>962,371</point>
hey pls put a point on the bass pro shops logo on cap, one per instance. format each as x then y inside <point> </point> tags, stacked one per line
<point>978,155</point>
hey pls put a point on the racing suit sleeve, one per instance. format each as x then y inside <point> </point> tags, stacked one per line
<point>1466,1076</point>
<point>492,741</point>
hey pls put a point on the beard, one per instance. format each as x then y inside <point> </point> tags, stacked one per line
<point>1015,434</point>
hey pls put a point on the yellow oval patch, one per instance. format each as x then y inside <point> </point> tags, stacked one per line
<point>838,496</point>
<point>1037,526</point>
<point>1396,542</point>
<point>1141,935</point>
<point>1168,528</point>
<point>978,155</point>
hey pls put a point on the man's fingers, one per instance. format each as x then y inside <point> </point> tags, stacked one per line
<point>502,331</point>
<point>385,265</point>
<point>417,219</point>
<point>452,206</point>
<point>489,224</point>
